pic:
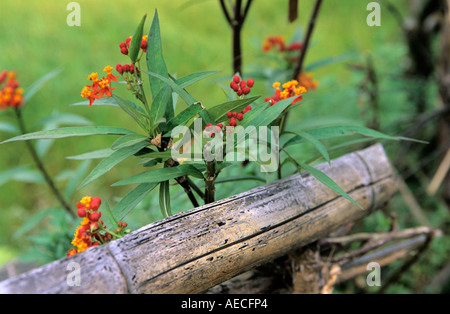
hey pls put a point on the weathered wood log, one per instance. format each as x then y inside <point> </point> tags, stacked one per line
<point>193,251</point>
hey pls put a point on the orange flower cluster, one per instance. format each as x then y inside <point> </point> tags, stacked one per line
<point>99,88</point>
<point>278,41</point>
<point>306,79</point>
<point>11,95</point>
<point>290,89</point>
<point>88,233</point>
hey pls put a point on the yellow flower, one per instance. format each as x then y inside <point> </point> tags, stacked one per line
<point>93,76</point>
<point>108,69</point>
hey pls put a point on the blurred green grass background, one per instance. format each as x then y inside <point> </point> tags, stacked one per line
<point>35,39</point>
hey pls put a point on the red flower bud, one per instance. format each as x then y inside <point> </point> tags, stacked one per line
<point>234,86</point>
<point>249,107</point>
<point>240,117</point>
<point>246,90</point>
<point>119,68</point>
<point>250,82</point>
<point>239,92</point>
<point>131,68</point>
<point>128,40</point>
<point>242,84</point>
<point>236,79</point>
<point>144,45</point>
<point>122,45</point>
<point>217,129</point>
<point>81,212</point>
<point>233,122</point>
<point>95,216</point>
<point>126,68</point>
<point>124,51</point>
<point>95,203</point>
<point>229,115</point>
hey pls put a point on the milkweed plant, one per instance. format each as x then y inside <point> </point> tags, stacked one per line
<point>189,148</point>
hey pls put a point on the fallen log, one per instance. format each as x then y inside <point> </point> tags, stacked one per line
<point>193,251</point>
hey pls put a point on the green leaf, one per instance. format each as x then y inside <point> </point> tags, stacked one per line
<point>96,154</point>
<point>136,112</point>
<point>257,110</point>
<point>155,154</point>
<point>132,199</point>
<point>219,112</point>
<point>161,174</point>
<point>328,61</point>
<point>136,40</point>
<point>184,95</point>
<point>108,163</point>
<point>36,86</point>
<point>164,199</point>
<point>326,180</point>
<point>69,132</point>
<point>128,140</point>
<point>8,128</point>
<point>12,173</point>
<point>183,117</point>
<point>336,131</point>
<point>155,59</point>
<point>104,101</point>
<point>77,176</point>
<point>33,221</point>
<point>64,118</point>
<point>159,106</point>
<point>107,209</point>
<point>270,113</point>
<point>190,79</point>
<point>312,139</point>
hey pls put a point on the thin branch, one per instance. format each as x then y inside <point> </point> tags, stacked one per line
<point>41,166</point>
<point>302,55</point>
<point>312,24</point>
<point>247,8</point>
<point>225,12</point>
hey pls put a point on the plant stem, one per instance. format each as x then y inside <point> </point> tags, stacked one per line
<point>141,88</point>
<point>236,23</point>
<point>196,188</point>
<point>210,189</point>
<point>302,55</point>
<point>41,167</point>
<point>184,182</point>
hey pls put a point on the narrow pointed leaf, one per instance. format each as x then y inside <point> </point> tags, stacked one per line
<point>96,154</point>
<point>190,79</point>
<point>161,174</point>
<point>128,140</point>
<point>155,59</point>
<point>36,86</point>
<point>136,40</point>
<point>164,199</point>
<point>184,95</point>
<point>326,180</point>
<point>219,112</point>
<point>108,163</point>
<point>337,131</point>
<point>70,132</point>
<point>136,112</point>
<point>312,139</point>
<point>159,106</point>
<point>183,117</point>
<point>132,199</point>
